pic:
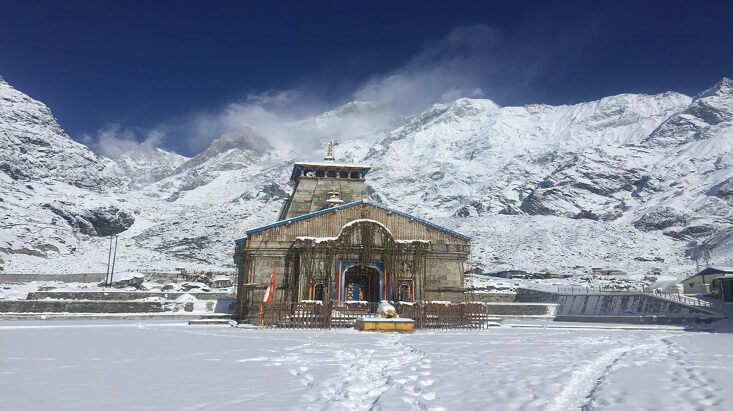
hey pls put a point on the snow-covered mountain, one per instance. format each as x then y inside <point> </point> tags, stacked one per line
<point>36,149</point>
<point>358,120</point>
<point>472,162</point>
<point>636,182</point>
<point>54,192</point>
<point>147,164</point>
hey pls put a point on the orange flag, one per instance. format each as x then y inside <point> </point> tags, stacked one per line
<point>271,288</point>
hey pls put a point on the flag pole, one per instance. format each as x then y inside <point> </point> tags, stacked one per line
<point>269,292</point>
<point>262,316</point>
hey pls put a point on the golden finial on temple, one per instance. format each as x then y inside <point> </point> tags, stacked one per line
<point>334,198</point>
<point>329,152</point>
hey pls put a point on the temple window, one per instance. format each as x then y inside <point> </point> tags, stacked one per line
<point>331,173</point>
<point>355,174</point>
<point>320,173</point>
<point>344,174</point>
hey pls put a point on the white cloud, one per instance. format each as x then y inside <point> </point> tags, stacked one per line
<point>453,67</point>
<point>474,61</point>
<point>113,140</point>
<point>286,119</point>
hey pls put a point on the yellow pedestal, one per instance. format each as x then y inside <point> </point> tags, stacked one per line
<point>404,325</point>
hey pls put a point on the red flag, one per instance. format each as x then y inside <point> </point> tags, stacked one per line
<point>271,288</point>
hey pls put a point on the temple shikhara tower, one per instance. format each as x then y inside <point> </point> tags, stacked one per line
<point>332,243</point>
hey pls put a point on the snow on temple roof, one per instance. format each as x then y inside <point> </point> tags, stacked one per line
<point>319,240</point>
<point>352,204</point>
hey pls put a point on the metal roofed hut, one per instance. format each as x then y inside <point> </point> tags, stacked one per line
<point>348,250</point>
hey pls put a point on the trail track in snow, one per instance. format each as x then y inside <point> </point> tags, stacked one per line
<point>581,388</point>
<point>365,374</point>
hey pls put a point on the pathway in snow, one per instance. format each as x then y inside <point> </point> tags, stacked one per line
<point>580,390</point>
<point>671,373</point>
<point>365,374</point>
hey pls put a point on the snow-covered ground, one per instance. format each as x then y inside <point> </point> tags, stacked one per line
<point>153,366</point>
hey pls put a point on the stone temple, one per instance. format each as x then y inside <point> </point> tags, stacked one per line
<point>332,243</point>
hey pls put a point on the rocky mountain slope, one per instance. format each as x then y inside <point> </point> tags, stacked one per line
<point>54,192</point>
<point>147,164</point>
<point>599,165</point>
<point>636,182</point>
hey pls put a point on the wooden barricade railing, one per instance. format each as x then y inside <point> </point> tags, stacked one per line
<point>344,315</point>
<point>309,314</point>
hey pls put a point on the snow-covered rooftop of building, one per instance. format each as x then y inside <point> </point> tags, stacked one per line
<point>221,278</point>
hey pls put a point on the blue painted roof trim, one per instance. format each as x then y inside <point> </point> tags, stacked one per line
<point>332,209</point>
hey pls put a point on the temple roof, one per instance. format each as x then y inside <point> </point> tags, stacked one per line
<point>300,166</point>
<point>331,164</point>
<point>328,163</point>
<point>352,204</point>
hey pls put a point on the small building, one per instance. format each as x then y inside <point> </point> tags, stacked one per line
<point>221,281</point>
<point>700,282</point>
<point>606,271</point>
<point>333,244</point>
<point>510,274</point>
<point>722,287</point>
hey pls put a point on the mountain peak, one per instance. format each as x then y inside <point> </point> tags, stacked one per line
<point>354,107</point>
<point>35,147</point>
<point>242,137</point>
<point>146,164</point>
<point>146,151</point>
<point>245,143</point>
<point>698,121</point>
<point>724,87</point>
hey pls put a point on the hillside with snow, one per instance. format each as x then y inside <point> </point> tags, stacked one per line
<point>634,182</point>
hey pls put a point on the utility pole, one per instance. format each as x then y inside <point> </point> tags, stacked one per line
<point>114,257</point>
<point>109,260</point>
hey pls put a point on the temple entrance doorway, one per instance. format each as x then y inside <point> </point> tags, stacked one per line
<point>362,284</point>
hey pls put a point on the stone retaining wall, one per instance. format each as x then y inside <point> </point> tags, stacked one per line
<point>615,305</point>
<point>521,309</point>
<point>642,319</point>
<point>491,297</point>
<point>64,278</point>
<point>113,295</point>
<point>178,315</point>
<point>52,306</point>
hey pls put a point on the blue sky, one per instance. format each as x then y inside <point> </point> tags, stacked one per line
<point>136,70</point>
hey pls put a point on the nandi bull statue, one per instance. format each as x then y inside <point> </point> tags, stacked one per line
<point>386,310</point>
<point>386,319</point>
